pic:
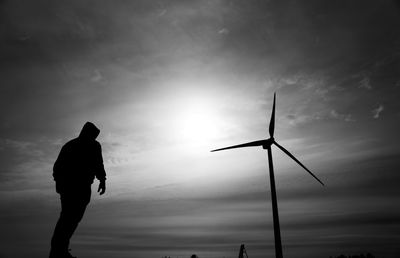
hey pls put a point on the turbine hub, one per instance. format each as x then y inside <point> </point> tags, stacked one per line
<point>268,143</point>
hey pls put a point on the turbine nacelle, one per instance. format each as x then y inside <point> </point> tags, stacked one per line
<point>268,143</point>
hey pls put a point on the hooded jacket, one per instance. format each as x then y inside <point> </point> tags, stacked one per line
<point>80,160</point>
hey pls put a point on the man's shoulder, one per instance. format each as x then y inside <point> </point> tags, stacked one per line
<point>71,142</point>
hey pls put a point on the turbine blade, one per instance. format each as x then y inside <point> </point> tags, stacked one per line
<point>248,144</point>
<point>298,162</point>
<point>272,122</point>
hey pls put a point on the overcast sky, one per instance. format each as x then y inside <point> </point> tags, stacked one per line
<point>167,81</point>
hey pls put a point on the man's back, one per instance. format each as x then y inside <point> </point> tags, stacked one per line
<point>79,162</point>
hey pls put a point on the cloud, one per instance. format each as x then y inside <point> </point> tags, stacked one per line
<point>223,31</point>
<point>377,111</point>
<point>97,76</point>
<point>365,82</point>
<point>345,117</point>
<point>18,145</point>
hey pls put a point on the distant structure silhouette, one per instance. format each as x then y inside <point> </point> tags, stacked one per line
<point>79,162</point>
<point>242,251</point>
<point>267,144</point>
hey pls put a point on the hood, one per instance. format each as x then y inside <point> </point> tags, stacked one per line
<point>89,131</point>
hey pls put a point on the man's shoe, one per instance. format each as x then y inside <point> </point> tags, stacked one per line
<point>54,254</point>
<point>69,255</point>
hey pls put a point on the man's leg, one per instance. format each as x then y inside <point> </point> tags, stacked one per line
<point>73,206</point>
<point>77,212</point>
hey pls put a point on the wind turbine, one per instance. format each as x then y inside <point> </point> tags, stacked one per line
<point>266,144</point>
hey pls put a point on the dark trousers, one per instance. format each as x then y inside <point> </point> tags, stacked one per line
<point>73,206</point>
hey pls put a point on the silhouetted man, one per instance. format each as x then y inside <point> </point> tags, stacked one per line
<point>79,162</point>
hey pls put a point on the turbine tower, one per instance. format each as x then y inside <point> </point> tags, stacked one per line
<point>266,144</point>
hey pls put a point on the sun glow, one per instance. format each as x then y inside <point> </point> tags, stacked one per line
<point>198,123</point>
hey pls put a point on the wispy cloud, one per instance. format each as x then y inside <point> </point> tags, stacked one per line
<point>377,111</point>
<point>365,82</point>
<point>223,31</point>
<point>18,145</point>
<point>345,117</point>
<point>97,76</point>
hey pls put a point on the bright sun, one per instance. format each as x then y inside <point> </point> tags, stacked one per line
<point>197,123</point>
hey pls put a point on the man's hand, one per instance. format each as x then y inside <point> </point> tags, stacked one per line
<point>102,187</point>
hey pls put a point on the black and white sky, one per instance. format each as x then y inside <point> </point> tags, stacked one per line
<point>168,80</point>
